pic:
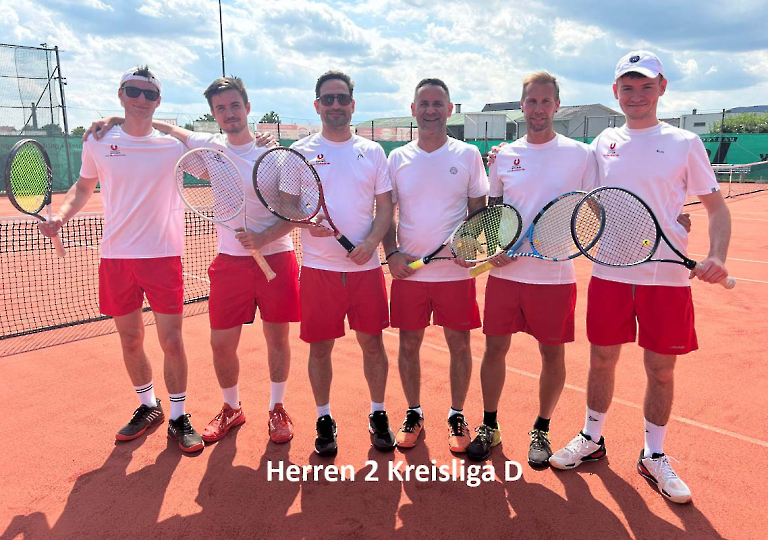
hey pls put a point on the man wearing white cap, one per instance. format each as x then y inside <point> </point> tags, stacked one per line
<point>662,165</point>
<point>141,248</point>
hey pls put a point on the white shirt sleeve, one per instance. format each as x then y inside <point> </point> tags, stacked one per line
<point>88,164</point>
<point>700,178</point>
<point>383,183</point>
<point>478,181</point>
<point>589,177</point>
<point>392,167</point>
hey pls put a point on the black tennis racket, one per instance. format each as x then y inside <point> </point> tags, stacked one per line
<point>291,189</point>
<point>549,235</point>
<point>29,183</point>
<point>212,187</point>
<point>628,235</point>
<point>482,235</point>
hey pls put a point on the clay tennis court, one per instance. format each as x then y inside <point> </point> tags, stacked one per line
<point>64,476</point>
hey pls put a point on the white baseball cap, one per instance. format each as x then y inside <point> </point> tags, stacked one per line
<point>643,62</point>
<point>131,75</point>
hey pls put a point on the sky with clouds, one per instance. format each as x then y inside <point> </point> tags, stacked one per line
<point>715,54</point>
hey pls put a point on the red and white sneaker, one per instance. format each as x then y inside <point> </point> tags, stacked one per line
<point>280,425</point>
<point>223,422</point>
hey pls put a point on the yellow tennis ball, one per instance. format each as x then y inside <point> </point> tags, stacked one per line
<point>646,242</point>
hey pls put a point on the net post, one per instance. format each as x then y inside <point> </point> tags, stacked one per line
<point>64,116</point>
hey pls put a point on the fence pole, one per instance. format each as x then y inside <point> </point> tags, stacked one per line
<point>64,116</point>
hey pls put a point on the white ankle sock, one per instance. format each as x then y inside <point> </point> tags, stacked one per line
<point>376,406</point>
<point>276,393</point>
<point>322,410</point>
<point>177,405</point>
<point>593,424</point>
<point>146,393</point>
<point>232,396</point>
<point>654,439</point>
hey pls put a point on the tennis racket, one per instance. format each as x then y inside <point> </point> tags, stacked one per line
<point>549,235</point>
<point>629,233</point>
<point>291,189</point>
<point>29,183</point>
<point>482,235</point>
<point>211,186</point>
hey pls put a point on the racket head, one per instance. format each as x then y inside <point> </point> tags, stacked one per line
<point>628,233</point>
<point>287,185</point>
<point>210,184</point>
<point>486,232</point>
<point>28,177</point>
<point>550,232</point>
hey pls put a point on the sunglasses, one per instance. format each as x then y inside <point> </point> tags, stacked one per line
<point>343,99</point>
<point>133,92</point>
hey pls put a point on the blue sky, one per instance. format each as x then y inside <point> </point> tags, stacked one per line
<point>715,54</point>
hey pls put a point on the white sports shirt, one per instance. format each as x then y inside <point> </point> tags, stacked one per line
<point>258,217</point>
<point>528,176</point>
<point>431,190</point>
<point>661,165</point>
<point>143,212</point>
<point>353,172</point>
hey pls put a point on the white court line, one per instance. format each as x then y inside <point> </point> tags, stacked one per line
<point>682,419</point>
<point>732,258</point>
<point>193,276</point>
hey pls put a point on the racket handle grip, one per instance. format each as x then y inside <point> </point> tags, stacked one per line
<point>264,265</point>
<point>727,283</point>
<point>418,263</point>
<point>477,270</point>
<point>59,246</point>
<point>344,241</point>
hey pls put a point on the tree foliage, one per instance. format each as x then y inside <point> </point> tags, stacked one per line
<point>78,131</point>
<point>743,123</point>
<point>270,118</point>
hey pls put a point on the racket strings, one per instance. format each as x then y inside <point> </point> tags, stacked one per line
<point>211,185</point>
<point>287,185</point>
<point>629,233</point>
<point>486,233</point>
<point>551,236</point>
<point>30,179</point>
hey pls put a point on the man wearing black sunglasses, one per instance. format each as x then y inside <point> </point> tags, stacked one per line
<point>335,284</point>
<point>141,248</point>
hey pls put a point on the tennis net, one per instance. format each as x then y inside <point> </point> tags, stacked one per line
<point>46,300</point>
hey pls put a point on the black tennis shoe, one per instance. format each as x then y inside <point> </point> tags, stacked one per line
<point>143,418</point>
<point>382,437</point>
<point>182,431</point>
<point>325,442</point>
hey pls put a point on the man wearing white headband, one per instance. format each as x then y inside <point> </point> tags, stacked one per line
<point>141,248</point>
<point>662,165</point>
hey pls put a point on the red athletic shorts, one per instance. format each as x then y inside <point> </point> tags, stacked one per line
<point>452,304</point>
<point>664,314</point>
<point>327,297</point>
<point>544,311</point>
<point>238,286</point>
<point>123,283</point>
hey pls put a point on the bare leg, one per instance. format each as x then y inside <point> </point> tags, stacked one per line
<point>461,365</point>
<point>375,364</point>
<point>409,363</point>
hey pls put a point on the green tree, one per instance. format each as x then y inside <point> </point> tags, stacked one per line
<point>78,131</point>
<point>207,117</point>
<point>52,129</point>
<point>270,118</point>
<point>743,123</point>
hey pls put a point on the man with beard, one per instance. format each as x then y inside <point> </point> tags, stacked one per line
<point>335,284</point>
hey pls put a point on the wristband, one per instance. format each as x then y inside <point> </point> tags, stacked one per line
<point>390,254</point>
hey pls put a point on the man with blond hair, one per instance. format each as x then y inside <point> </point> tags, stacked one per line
<point>527,294</point>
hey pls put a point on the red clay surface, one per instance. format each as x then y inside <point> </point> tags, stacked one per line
<point>65,477</point>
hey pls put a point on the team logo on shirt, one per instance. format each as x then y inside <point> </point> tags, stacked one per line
<point>453,170</point>
<point>319,160</point>
<point>516,167</point>
<point>113,151</point>
<point>612,152</point>
<point>360,156</point>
